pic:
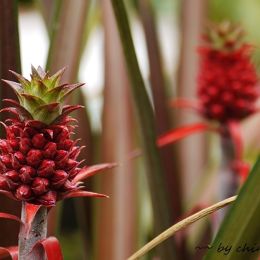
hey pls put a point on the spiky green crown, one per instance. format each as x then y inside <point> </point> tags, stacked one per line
<point>41,98</point>
<point>224,36</point>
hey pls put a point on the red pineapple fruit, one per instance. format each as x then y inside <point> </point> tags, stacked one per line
<point>38,158</point>
<point>227,80</point>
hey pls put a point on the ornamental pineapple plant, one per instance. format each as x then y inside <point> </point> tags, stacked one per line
<point>38,157</point>
<point>227,91</point>
<point>227,79</point>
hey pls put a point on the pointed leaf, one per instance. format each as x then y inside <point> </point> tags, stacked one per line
<point>9,251</point>
<point>181,132</point>
<point>70,88</point>
<point>180,225</point>
<point>25,82</point>
<point>92,170</point>
<point>67,110</point>
<point>8,194</point>
<point>54,93</point>
<point>11,110</point>
<point>241,225</point>
<point>80,193</point>
<point>19,108</point>
<point>35,74</point>
<point>41,72</point>
<point>55,79</point>
<point>52,248</point>
<point>47,113</point>
<point>31,102</point>
<point>10,216</point>
<point>186,103</point>
<point>17,87</point>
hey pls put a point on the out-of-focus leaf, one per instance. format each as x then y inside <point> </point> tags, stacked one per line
<point>169,157</point>
<point>186,103</point>
<point>240,228</point>
<point>181,132</point>
<point>116,239</point>
<point>52,248</point>
<point>9,251</point>
<point>180,225</point>
<point>82,193</point>
<point>9,216</point>
<point>92,170</point>
<point>145,113</point>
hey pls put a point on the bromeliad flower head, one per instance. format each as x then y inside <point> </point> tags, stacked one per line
<point>38,158</point>
<point>227,80</point>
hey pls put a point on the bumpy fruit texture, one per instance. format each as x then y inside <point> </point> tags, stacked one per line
<point>227,80</point>
<point>38,160</point>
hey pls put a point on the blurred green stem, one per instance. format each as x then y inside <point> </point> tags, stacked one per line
<point>145,113</point>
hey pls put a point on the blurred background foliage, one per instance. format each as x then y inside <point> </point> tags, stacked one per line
<point>86,231</point>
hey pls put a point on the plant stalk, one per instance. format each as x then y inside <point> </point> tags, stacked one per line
<point>228,180</point>
<point>31,233</point>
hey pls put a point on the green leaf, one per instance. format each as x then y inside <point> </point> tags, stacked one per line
<point>239,235</point>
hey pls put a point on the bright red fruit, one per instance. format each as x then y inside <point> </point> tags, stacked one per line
<point>227,80</point>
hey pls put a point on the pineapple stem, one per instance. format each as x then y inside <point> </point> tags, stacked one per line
<point>32,233</point>
<point>228,180</point>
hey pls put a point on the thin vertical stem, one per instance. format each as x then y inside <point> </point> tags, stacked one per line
<point>227,178</point>
<point>31,233</point>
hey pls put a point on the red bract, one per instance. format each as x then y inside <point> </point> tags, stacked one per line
<point>227,84</point>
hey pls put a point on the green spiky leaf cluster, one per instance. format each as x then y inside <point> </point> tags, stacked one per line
<point>41,98</point>
<point>225,36</point>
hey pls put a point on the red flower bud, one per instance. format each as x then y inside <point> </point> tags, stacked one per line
<point>12,175</point>
<point>66,145</point>
<point>39,141</point>
<point>50,150</point>
<point>27,173</point>
<point>14,143</point>
<point>20,157</point>
<point>2,167</point>
<point>5,146</point>
<point>25,145</point>
<point>23,192</point>
<point>60,155</point>
<point>46,168</point>
<point>34,157</point>
<point>16,130</point>
<point>48,199</point>
<point>40,185</point>
<point>29,132</point>
<point>4,183</point>
<point>6,160</point>
<point>63,135</point>
<point>15,163</point>
<point>59,178</point>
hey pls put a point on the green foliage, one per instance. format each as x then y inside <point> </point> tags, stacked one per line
<point>241,225</point>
